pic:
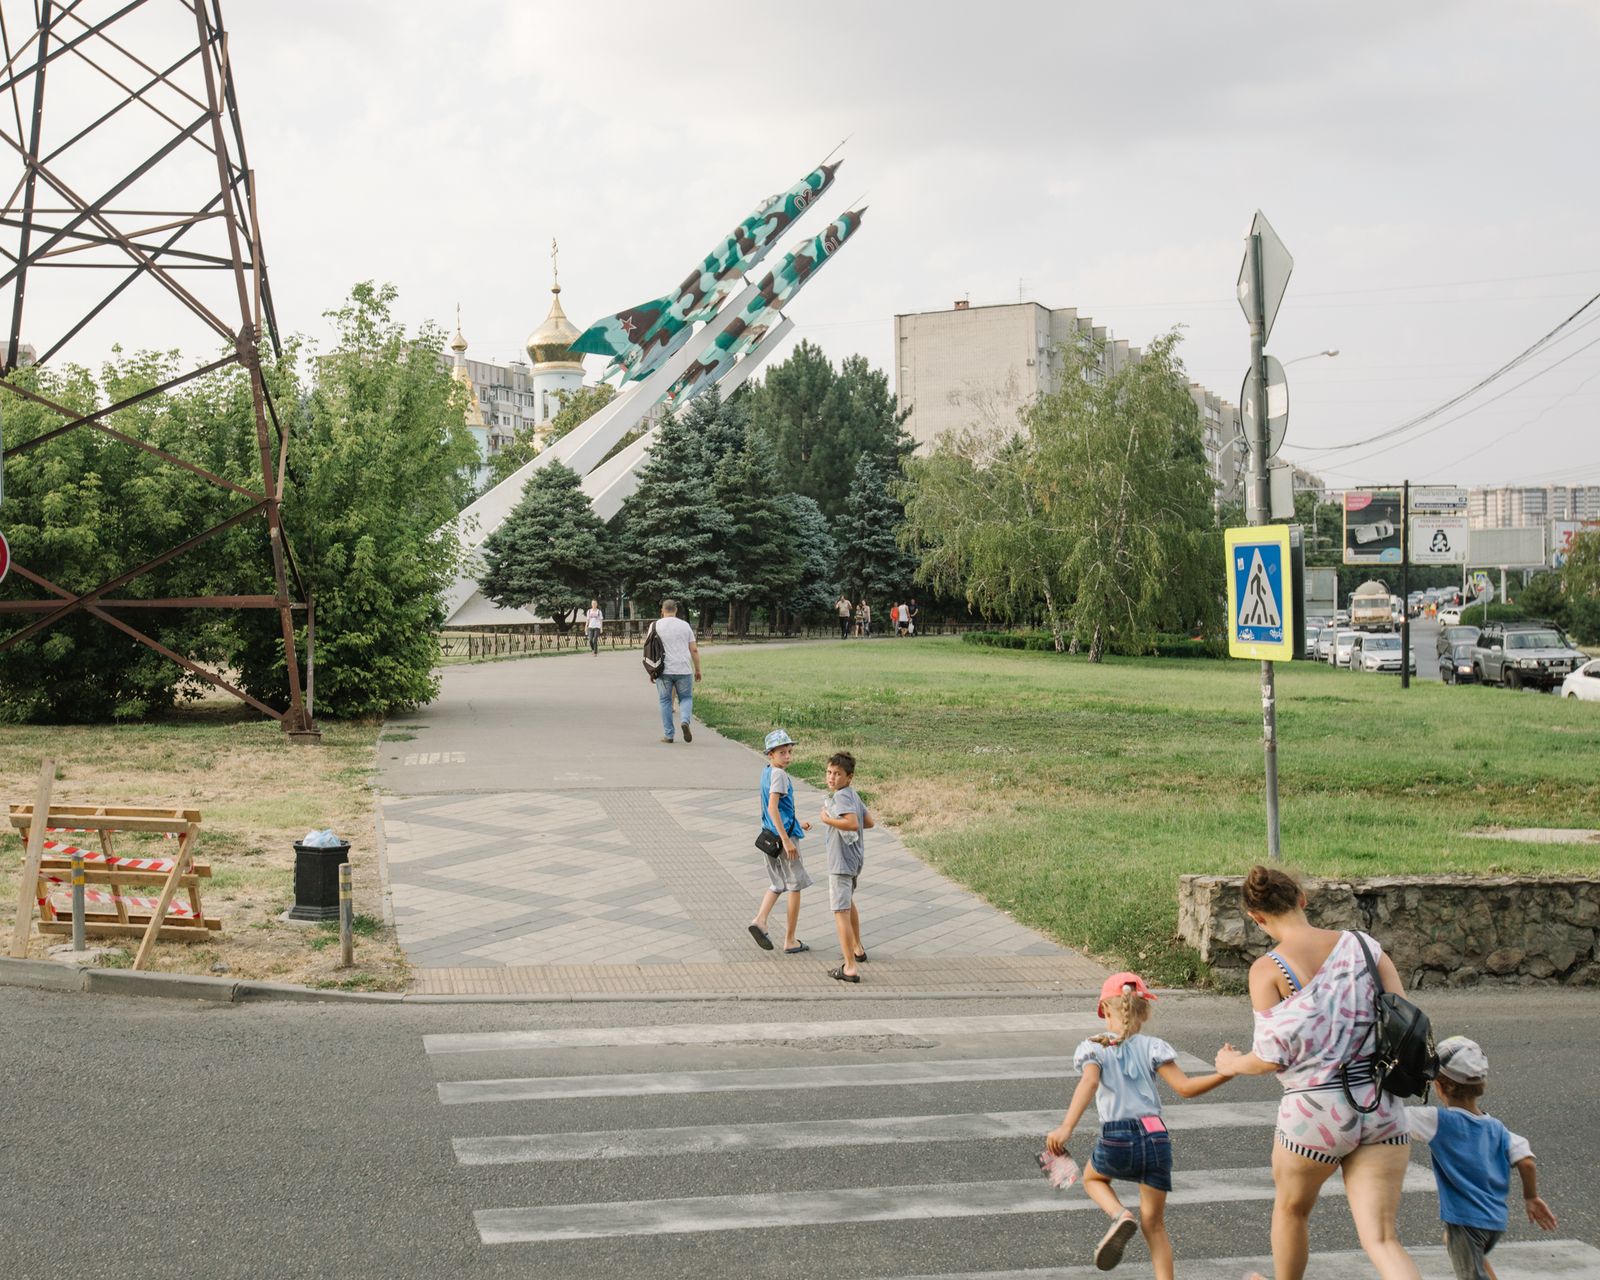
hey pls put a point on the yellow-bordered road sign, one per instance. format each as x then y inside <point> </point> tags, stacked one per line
<point>1260,603</point>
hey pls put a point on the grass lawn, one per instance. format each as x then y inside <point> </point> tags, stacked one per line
<point>257,793</point>
<point>1074,796</point>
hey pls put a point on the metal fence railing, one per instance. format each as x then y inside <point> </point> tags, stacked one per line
<point>484,643</point>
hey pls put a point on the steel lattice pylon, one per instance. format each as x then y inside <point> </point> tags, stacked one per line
<point>134,102</point>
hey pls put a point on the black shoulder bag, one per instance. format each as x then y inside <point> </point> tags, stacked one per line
<point>1403,1060</point>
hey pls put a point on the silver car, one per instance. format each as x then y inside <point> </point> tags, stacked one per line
<point>1380,652</point>
<point>1343,644</point>
<point>1325,639</point>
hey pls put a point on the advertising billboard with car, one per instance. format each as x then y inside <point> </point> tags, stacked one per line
<point>1372,524</point>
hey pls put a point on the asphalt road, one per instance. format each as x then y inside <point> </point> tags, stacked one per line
<point>153,1138</point>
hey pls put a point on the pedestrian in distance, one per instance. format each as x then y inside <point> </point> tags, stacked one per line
<point>594,623</point>
<point>913,616</point>
<point>786,873</point>
<point>1119,1075</point>
<point>679,670</point>
<point>847,821</point>
<point>844,609</point>
<point>1314,1002</point>
<point>1473,1156</point>
<point>863,618</point>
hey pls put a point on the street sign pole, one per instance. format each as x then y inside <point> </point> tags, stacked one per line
<point>1405,585</point>
<point>1261,486</point>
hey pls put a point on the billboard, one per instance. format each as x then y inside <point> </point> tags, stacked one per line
<point>1512,548</point>
<point>1562,532</point>
<point>1438,539</point>
<point>1373,522</point>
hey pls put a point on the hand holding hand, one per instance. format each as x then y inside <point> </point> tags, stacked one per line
<point>1539,1213</point>
<point>1227,1060</point>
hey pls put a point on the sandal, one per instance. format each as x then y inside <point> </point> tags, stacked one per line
<point>763,939</point>
<point>796,949</point>
<point>860,956</point>
<point>840,975</point>
<point>1109,1251</point>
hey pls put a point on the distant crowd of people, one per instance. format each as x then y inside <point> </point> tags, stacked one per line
<point>855,619</point>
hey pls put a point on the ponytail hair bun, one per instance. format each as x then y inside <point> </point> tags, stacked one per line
<point>1270,891</point>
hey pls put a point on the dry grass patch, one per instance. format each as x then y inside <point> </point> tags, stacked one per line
<point>257,793</point>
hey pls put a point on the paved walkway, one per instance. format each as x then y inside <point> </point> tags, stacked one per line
<point>542,840</point>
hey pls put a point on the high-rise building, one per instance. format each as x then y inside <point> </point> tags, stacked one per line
<point>1531,506</point>
<point>981,366</point>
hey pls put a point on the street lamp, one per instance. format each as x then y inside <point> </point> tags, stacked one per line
<point>1332,351</point>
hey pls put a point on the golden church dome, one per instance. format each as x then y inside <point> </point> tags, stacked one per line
<point>551,343</point>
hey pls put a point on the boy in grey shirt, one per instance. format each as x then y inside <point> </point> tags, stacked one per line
<point>847,820</point>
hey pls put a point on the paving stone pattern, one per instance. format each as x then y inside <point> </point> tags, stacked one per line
<point>619,885</point>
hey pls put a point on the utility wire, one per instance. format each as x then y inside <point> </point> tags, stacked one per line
<point>1473,390</point>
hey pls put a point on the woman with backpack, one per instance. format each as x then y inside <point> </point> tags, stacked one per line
<point>1315,1006</point>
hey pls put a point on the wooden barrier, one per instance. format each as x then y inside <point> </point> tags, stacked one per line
<point>119,914</point>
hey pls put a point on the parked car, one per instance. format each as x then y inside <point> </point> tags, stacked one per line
<point>1451,636</point>
<point>1584,683</point>
<point>1524,655</point>
<point>1456,667</point>
<point>1325,639</point>
<point>1343,642</point>
<point>1378,652</point>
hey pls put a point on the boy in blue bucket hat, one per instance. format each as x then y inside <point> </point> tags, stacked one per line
<point>785,872</point>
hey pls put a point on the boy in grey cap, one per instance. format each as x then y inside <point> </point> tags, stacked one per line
<point>1473,1155</point>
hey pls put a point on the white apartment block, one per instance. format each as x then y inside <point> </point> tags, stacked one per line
<point>1531,506</point>
<point>981,366</point>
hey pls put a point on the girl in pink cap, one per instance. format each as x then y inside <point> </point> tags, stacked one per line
<point>1119,1073</point>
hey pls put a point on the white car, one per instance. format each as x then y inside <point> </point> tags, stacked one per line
<point>1584,683</point>
<point>1450,616</point>
<point>1325,639</point>
<point>1379,652</point>
<point>1377,531</point>
<point>1343,643</point>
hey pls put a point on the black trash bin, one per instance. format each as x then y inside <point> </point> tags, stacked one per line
<point>316,880</point>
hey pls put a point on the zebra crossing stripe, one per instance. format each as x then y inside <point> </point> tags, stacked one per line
<point>737,1080</point>
<point>749,1032</point>
<point>1523,1260</point>
<point>854,1204</point>
<point>615,1144</point>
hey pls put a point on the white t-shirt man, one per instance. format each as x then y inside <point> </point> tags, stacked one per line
<point>676,637</point>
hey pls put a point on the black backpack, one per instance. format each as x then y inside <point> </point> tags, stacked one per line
<point>1403,1059</point>
<point>655,654</point>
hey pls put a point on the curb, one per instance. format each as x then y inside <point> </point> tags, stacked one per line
<point>45,975</point>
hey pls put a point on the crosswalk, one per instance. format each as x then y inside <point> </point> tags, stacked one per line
<point>871,1146</point>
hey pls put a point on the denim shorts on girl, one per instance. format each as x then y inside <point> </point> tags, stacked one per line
<point>1135,1151</point>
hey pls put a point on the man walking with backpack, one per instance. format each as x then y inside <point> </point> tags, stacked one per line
<point>674,669</point>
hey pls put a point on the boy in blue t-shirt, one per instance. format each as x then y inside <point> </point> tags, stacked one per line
<point>1473,1155</point>
<point>786,874</point>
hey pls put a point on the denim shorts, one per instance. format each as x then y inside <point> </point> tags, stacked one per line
<point>1130,1152</point>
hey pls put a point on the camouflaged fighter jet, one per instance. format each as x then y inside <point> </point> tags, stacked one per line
<point>640,338</point>
<point>776,290</point>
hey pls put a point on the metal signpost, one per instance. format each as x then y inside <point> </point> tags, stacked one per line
<point>1263,277</point>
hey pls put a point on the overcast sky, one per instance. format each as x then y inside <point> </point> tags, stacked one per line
<point>1430,165</point>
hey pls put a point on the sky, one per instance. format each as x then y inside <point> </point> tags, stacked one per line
<point>1429,165</point>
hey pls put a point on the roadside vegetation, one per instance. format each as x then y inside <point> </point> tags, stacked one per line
<point>257,793</point>
<point>1075,795</point>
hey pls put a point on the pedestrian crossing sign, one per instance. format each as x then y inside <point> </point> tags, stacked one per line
<point>1260,603</point>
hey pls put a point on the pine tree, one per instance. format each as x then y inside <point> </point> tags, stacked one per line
<point>870,560</point>
<point>553,553</point>
<point>674,534</point>
<point>763,558</point>
<point>817,586</point>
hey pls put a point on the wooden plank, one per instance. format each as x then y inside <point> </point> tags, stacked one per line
<point>144,878</point>
<point>109,817</point>
<point>108,848</point>
<point>179,865</point>
<point>30,864</point>
<point>95,870</point>
<point>111,929</point>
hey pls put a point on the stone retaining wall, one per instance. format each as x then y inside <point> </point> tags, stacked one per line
<point>1455,931</point>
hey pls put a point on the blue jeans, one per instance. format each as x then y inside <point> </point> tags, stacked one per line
<point>685,686</point>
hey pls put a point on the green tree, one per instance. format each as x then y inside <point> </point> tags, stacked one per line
<point>84,508</point>
<point>1580,581</point>
<point>381,460</point>
<point>820,421</point>
<point>1125,479</point>
<point>674,535</point>
<point>764,562</point>
<point>816,587</point>
<point>870,559</point>
<point>975,512</point>
<point>552,554</point>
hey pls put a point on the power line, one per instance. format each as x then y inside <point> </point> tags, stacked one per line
<point>1473,390</point>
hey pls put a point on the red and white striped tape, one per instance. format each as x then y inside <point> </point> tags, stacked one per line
<point>56,849</point>
<point>176,910</point>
